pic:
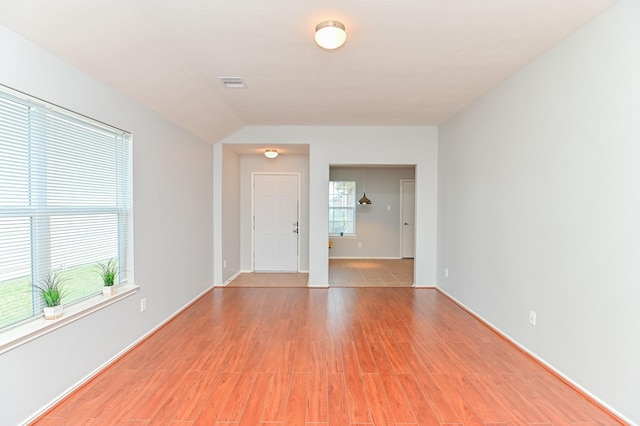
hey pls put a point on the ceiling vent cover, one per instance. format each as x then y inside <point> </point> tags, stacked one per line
<point>233,82</point>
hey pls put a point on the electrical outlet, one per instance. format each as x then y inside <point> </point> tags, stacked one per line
<point>359,244</point>
<point>224,263</point>
<point>532,318</point>
<point>446,272</point>
<point>143,304</point>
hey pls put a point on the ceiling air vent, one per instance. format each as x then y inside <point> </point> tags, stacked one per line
<point>233,82</point>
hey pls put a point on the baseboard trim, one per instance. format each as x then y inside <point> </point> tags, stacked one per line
<point>365,258</point>
<point>605,408</point>
<point>233,277</point>
<point>84,381</point>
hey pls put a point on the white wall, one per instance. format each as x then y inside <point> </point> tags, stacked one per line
<point>339,145</point>
<point>173,232</point>
<point>539,207</point>
<point>378,230</point>
<point>283,163</point>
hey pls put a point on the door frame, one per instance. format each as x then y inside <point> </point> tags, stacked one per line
<point>402,181</point>
<point>253,216</point>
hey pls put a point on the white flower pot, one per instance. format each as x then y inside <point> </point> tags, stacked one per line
<point>108,291</point>
<point>53,312</point>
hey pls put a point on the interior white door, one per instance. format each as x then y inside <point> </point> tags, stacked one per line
<point>275,212</point>
<point>408,194</point>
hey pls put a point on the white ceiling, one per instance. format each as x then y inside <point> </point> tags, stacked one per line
<point>406,62</point>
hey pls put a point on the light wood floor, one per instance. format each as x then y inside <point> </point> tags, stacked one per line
<point>338,356</point>
<point>342,273</point>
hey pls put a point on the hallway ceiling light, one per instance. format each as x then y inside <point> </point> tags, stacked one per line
<point>330,34</point>
<point>271,153</point>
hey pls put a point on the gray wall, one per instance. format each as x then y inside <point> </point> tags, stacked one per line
<point>539,207</point>
<point>378,230</point>
<point>172,186</point>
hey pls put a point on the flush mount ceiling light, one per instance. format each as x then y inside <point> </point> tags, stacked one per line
<point>330,34</point>
<point>271,153</point>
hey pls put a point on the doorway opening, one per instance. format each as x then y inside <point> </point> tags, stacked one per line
<point>376,248</point>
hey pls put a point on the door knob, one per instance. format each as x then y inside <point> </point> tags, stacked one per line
<point>405,223</point>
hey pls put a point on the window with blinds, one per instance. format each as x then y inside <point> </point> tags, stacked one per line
<point>65,203</point>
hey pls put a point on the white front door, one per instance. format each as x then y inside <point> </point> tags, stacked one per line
<point>408,195</point>
<point>275,213</point>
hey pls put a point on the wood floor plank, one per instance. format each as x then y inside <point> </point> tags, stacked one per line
<point>338,356</point>
<point>175,398</point>
<point>193,401</point>
<point>437,400</point>
<point>317,407</point>
<point>458,402</point>
<point>238,398</point>
<point>418,401</point>
<point>356,397</point>
<point>254,408</point>
<point>380,409</point>
<point>277,399</point>
<point>400,408</point>
<point>297,401</point>
<point>365,358</point>
<point>334,356</point>
<point>208,412</point>
<point>337,396</point>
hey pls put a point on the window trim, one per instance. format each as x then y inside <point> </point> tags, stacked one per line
<point>28,330</point>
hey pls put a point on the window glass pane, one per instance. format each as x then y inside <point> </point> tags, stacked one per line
<point>342,204</point>
<point>78,244</point>
<point>15,270</point>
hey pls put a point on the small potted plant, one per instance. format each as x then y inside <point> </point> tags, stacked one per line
<point>52,291</point>
<point>108,272</point>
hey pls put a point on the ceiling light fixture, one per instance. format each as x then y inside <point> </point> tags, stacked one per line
<point>364,199</point>
<point>271,153</point>
<point>330,34</point>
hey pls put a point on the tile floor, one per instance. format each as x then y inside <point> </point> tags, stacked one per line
<point>342,273</point>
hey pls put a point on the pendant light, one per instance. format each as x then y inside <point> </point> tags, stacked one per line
<point>364,199</point>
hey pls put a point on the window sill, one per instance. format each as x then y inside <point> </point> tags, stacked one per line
<point>343,236</point>
<point>23,333</point>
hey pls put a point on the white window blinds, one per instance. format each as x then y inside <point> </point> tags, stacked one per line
<point>65,203</point>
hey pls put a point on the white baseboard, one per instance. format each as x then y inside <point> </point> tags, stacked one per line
<point>233,277</point>
<point>110,361</point>
<point>364,257</point>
